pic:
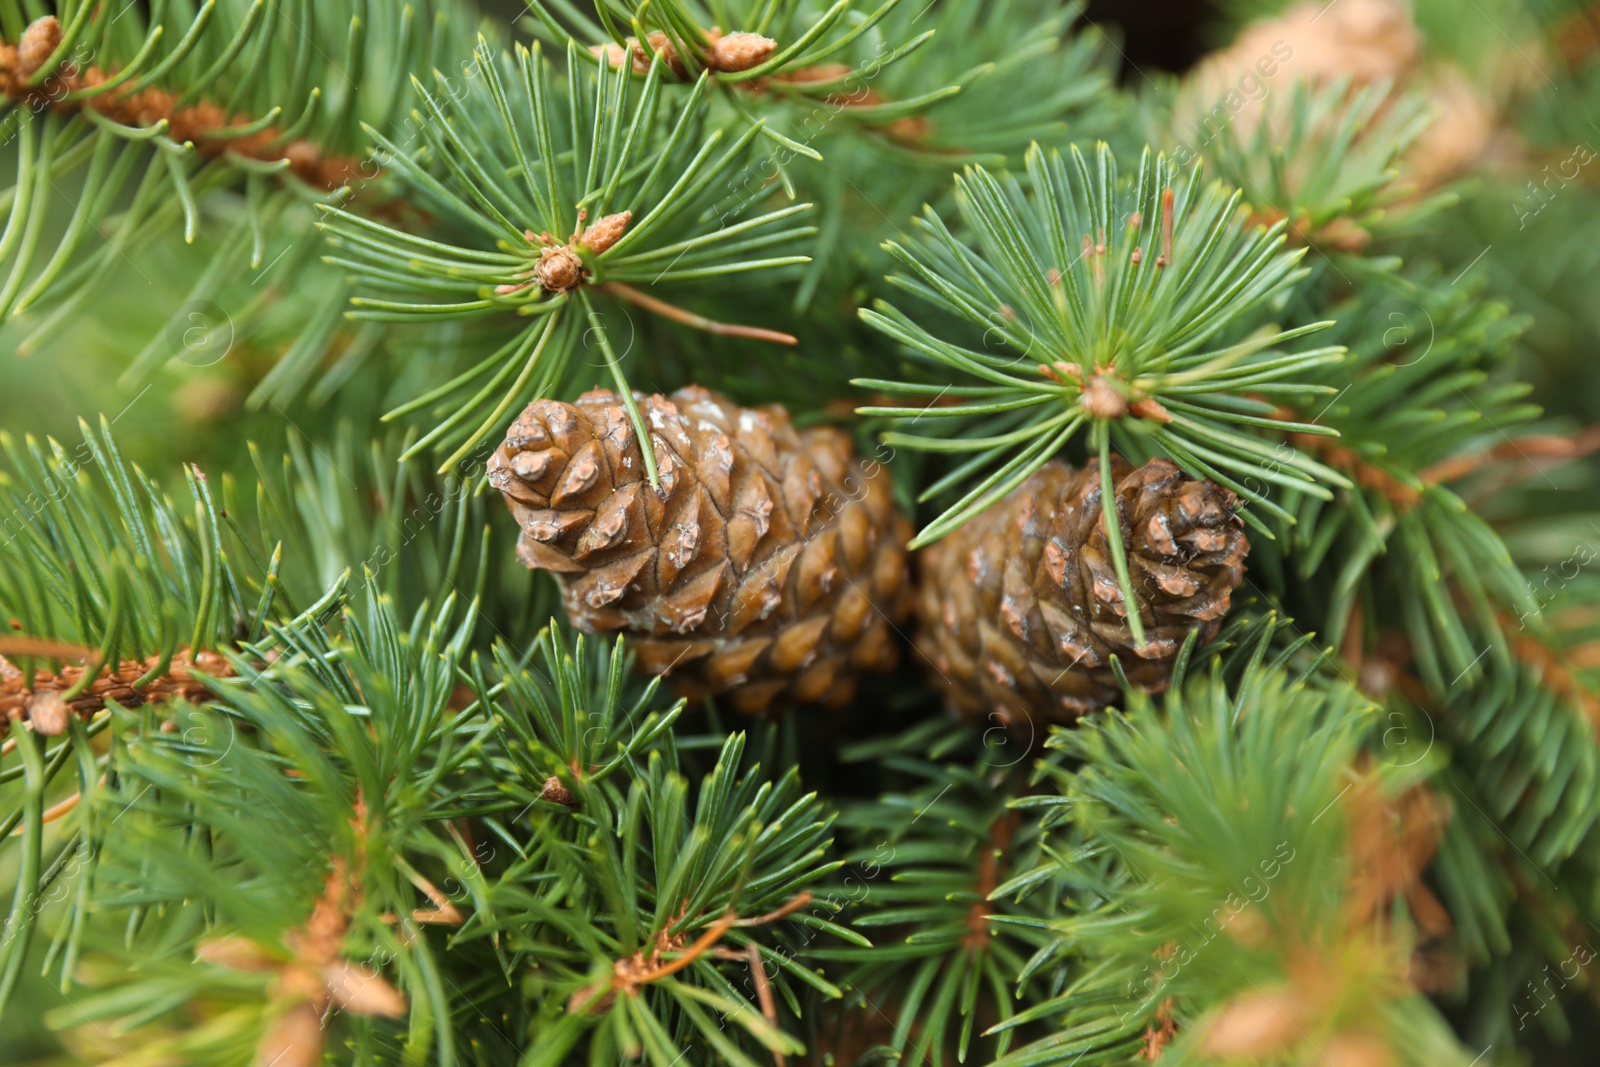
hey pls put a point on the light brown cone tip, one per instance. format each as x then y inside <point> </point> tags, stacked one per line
<point>735,52</point>
<point>38,43</point>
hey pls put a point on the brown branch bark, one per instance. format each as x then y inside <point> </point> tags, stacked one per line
<point>631,973</point>
<point>689,318</point>
<point>205,125</point>
<point>41,702</point>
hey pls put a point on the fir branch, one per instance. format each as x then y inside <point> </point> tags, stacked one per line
<point>1425,386</point>
<point>515,159</point>
<point>1326,157</point>
<point>304,915</point>
<point>960,905</point>
<point>1267,855</point>
<point>140,115</point>
<point>1116,333</point>
<point>1524,740</point>
<point>316,975</point>
<point>663,875</point>
<point>211,130</point>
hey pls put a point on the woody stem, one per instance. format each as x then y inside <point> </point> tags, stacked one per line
<point>689,318</point>
<point>712,935</point>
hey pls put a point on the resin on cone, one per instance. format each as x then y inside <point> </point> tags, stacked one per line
<point>1021,609</point>
<point>770,564</point>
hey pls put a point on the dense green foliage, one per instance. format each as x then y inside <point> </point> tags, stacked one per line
<point>272,315</point>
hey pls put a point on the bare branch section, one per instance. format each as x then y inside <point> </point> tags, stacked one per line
<point>994,850</point>
<point>205,125</point>
<point>53,697</point>
<point>689,318</point>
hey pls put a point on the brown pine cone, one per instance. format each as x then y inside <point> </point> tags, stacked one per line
<point>1021,610</point>
<point>770,561</point>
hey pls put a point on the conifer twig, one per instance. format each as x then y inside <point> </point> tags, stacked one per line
<point>988,878</point>
<point>443,912</point>
<point>1555,670</point>
<point>769,1009</point>
<point>797,902</point>
<point>689,318</point>
<point>1529,450</point>
<point>632,972</point>
<point>1346,459</point>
